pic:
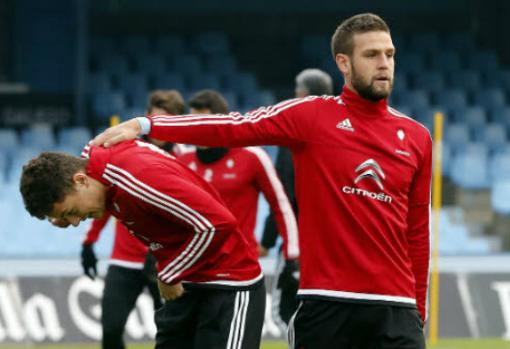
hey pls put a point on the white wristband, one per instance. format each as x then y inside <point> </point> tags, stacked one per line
<point>145,125</point>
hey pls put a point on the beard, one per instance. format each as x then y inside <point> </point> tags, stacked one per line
<point>367,90</point>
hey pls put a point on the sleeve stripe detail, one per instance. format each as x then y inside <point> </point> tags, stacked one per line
<point>283,201</point>
<point>232,118</point>
<point>201,221</point>
<point>205,230</point>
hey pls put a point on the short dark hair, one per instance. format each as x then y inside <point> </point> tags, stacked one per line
<point>209,99</point>
<point>342,41</point>
<point>47,179</point>
<point>170,101</point>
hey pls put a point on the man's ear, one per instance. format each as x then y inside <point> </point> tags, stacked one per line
<point>343,63</point>
<point>81,178</point>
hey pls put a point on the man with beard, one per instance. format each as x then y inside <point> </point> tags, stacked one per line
<point>363,175</point>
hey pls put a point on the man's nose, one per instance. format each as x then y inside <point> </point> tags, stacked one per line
<point>75,221</point>
<point>383,62</point>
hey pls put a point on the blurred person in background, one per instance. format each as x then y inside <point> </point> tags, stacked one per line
<point>240,175</point>
<point>309,82</point>
<point>131,267</point>
<point>363,173</point>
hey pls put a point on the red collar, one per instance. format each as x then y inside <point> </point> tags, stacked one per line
<point>363,107</point>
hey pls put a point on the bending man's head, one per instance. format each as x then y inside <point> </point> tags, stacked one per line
<point>55,185</point>
<point>313,82</point>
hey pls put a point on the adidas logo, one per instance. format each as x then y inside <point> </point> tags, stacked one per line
<point>345,125</point>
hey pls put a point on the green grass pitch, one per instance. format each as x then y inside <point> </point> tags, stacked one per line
<point>443,344</point>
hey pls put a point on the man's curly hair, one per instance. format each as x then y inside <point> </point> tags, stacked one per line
<point>47,179</point>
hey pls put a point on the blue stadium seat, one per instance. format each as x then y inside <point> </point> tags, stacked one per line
<point>486,61</point>
<point>446,61</point>
<point>400,82</point>
<point>211,43</point>
<point>103,46</point>
<point>99,83</point>
<point>114,64</point>
<point>105,105</point>
<point>410,62</point>
<point>469,80</point>
<point>499,167</point>
<point>205,81</point>
<point>8,139</point>
<point>475,149</point>
<point>232,100</point>
<point>130,113</point>
<point>451,99</point>
<point>150,63</point>
<point>469,171</point>
<point>500,192</point>
<point>133,84</point>
<point>312,48</point>
<point>187,65</point>
<point>221,64</point>
<point>4,165</point>
<point>415,99</point>
<point>501,115</point>
<point>446,159</point>
<point>399,40</point>
<point>494,135</point>
<point>170,46</point>
<point>100,47</point>
<point>490,98</point>
<point>134,45</point>
<point>457,136</point>
<point>431,81</point>
<point>406,110</point>
<point>74,136</point>
<point>38,136</point>
<point>244,83</point>
<point>426,115</point>
<point>424,42</point>
<point>19,159</point>
<point>463,42</point>
<point>503,80</point>
<point>258,99</point>
<point>138,99</point>
<point>503,150</point>
<point>474,117</point>
<point>170,80</point>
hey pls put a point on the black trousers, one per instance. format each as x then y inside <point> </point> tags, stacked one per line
<point>319,324</point>
<point>213,319</point>
<point>121,290</point>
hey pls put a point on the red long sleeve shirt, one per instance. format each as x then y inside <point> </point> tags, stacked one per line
<point>174,212</point>
<point>363,175</point>
<point>239,177</point>
<point>127,251</point>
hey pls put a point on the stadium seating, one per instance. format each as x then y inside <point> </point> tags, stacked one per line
<point>447,73</point>
<point>38,136</point>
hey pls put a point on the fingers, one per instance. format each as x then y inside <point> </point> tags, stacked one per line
<point>125,131</point>
<point>170,292</point>
<point>114,140</point>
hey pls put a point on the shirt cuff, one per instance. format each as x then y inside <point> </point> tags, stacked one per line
<point>145,125</point>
